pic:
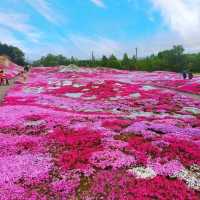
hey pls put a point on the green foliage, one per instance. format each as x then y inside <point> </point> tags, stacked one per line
<point>15,54</point>
<point>126,62</point>
<point>113,62</point>
<point>173,59</point>
<point>170,60</point>
<point>104,61</point>
<point>53,60</point>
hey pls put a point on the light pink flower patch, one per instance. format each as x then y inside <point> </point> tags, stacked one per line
<point>111,159</point>
<point>24,166</point>
<point>66,188</point>
<point>169,168</point>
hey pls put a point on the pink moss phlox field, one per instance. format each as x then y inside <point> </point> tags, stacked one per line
<point>12,70</point>
<point>90,133</point>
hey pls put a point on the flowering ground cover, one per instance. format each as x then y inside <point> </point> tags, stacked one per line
<point>12,70</point>
<point>90,134</point>
<point>176,82</point>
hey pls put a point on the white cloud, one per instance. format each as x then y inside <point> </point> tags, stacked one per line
<point>7,37</point>
<point>99,45</point>
<point>159,42</point>
<point>18,22</point>
<point>182,16</point>
<point>98,3</point>
<point>44,8</point>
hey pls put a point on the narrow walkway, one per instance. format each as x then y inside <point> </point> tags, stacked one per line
<point>4,89</point>
<point>188,94</point>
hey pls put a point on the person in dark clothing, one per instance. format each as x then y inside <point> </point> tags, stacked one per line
<point>190,75</point>
<point>1,77</point>
<point>26,68</point>
<point>184,74</point>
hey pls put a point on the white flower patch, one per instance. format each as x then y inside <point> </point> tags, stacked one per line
<point>69,68</point>
<point>34,123</point>
<point>66,82</point>
<point>183,116</point>
<point>91,110</point>
<point>135,95</point>
<point>93,97</point>
<point>54,83</point>
<point>96,86</point>
<point>31,90</point>
<point>115,111</point>
<point>192,178</point>
<point>50,81</point>
<point>114,98</point>
<point>148,87</point>
<point>192,110</point>
<point>141,172</point>
<point>73,95</point>
<point>135,114</point>
<point>85,90</point>
<point>77,85</point>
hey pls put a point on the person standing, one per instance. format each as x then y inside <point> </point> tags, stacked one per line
<point>184,74</point>
<point>1,77</point>
<point>190,74</point>
<point>26,68</point>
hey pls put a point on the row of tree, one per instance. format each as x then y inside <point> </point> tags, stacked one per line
<point>170,60</point>
<point>111,61</point>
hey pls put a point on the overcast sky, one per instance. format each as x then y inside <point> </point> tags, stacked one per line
<point>78,27</point>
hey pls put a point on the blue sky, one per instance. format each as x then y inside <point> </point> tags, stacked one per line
<point>78,27</point>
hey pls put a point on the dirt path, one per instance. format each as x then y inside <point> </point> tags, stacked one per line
<point>4,89</point>
<point>194,96</point>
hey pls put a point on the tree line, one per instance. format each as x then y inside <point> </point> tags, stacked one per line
<point>174,59</point>
<point>15,54</point>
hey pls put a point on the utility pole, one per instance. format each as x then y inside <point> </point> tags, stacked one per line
<point>136,56</point>
<point>93,58</point>
<point>136,53</point>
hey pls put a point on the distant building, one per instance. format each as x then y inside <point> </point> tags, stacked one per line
<point>4,61</point>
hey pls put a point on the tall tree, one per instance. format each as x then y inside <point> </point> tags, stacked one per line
<point>126,62</point>
<point>113,62</point>
<point>104,61</point>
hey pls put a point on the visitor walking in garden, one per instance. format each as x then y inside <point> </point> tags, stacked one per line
<point>3,78</point>
<point>26,68</point>
<point>184,74</point>
<point>187,73</point>
<point>190,74</point>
